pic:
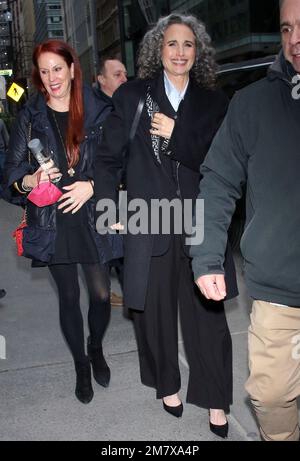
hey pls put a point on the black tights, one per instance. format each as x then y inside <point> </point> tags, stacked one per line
<point>98,285</point>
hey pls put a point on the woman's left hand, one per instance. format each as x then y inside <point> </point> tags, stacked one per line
<point>162,125</point>
<point>76,196</point>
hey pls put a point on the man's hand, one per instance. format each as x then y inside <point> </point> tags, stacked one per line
<point>212,286</point>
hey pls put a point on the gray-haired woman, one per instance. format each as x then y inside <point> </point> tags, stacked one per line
<point>181,114</point>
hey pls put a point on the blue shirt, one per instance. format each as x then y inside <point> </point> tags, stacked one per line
<point>174,95</point>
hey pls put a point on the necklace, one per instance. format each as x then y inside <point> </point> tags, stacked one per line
<point>71,170</point>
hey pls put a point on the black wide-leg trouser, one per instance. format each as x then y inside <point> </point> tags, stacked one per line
<point>205,334</point>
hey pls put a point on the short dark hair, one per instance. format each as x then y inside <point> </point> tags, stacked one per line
<point>104,59</point>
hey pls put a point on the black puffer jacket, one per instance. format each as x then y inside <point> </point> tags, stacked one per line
<point>19,162</point>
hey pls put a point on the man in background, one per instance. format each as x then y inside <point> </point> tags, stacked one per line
<point>112,73</point>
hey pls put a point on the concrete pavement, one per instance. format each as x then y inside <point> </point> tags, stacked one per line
<point>37,378</point>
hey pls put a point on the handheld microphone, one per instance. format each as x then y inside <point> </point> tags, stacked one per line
<point>43,158</point>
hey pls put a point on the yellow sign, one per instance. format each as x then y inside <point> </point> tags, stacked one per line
<point>15,92</point>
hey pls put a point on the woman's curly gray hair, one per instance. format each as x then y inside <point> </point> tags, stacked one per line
<point>149,59</point>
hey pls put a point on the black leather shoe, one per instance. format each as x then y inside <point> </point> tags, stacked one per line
<point>2,293</point>
<point>83,391</point>
<point>221,431</point>
<point>100,368</point>
<point>174,411</point>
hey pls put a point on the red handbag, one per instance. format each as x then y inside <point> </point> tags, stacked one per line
<point>18,235</point>
<point>44,194</point>
<point>18,232</point>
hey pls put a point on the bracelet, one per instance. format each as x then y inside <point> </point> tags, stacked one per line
<point>15,184</point>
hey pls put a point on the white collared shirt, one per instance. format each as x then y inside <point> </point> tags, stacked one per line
<point>175,97</point>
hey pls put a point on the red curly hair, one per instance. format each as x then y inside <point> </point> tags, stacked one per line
<point>74,133</point>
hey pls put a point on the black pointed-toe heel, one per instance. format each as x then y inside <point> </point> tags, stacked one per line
<point>221,431</point>
<point>83,391</point>
<point>174,411</point>
<point>101,370</point>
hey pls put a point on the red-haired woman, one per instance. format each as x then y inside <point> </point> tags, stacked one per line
<point>66,117</point>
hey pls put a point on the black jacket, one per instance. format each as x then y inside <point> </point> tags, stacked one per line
<point>258,144</point>
<point>19,162</point>
<point>104,98</point>
<point>197,120</point>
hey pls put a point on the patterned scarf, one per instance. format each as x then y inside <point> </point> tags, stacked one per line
<point>158,144</point>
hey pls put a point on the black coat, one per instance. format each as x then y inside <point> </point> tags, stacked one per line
<point>42,221</point>
<point>197,120</point>
<point>104,98</point>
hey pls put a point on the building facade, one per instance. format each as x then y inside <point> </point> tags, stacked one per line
<point>240,29</point>
<point>23,29</point>
<point>5,37</point>
<point>108,28</point>
<point>27,32</point>
<point>49,21</point>
<point>92,29</point>
<point>16,42</point>
<point>79,24</point>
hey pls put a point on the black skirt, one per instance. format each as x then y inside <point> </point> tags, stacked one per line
<point>74,242</point>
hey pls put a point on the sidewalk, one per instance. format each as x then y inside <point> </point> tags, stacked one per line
<point>37,379</point>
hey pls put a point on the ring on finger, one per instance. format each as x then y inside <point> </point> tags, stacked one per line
<point>71,200</point>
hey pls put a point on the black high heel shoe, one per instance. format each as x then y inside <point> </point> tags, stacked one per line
<point>174,411</point>
<point>221,431</point>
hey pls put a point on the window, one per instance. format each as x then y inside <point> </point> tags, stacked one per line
<point>233,77</point>
<point>56,33</point>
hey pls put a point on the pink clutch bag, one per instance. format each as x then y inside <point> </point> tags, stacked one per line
<point>44,194</point>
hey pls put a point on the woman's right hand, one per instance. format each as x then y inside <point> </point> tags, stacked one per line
<point>32,180</point>
<point>162,125</point>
